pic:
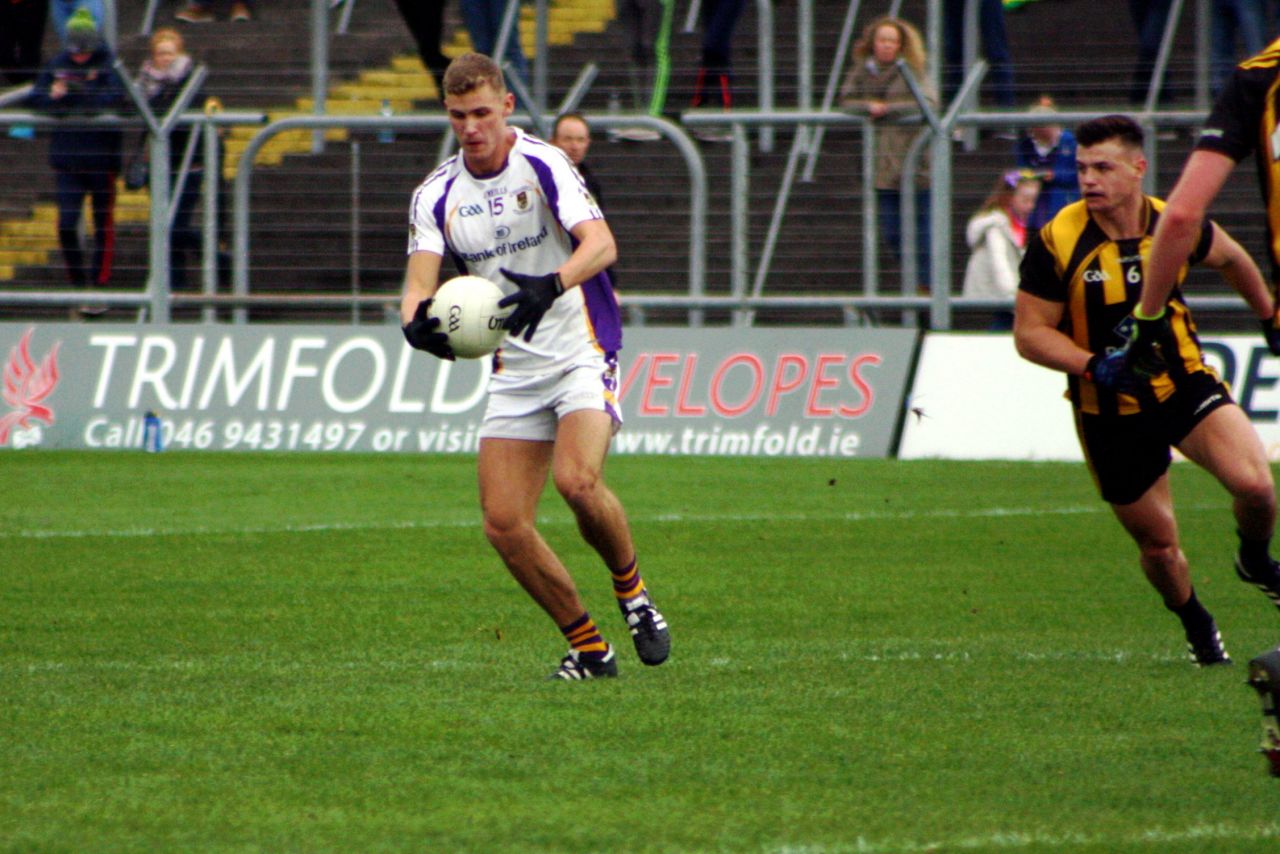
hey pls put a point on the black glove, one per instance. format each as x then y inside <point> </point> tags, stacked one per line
<point>422,333</point>
<point>535,296</point>
<point>1271,332</point>
<point>1111,373</point>
<point>1142,355</point>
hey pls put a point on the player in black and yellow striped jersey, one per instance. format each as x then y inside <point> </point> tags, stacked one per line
<point>1080,280</point>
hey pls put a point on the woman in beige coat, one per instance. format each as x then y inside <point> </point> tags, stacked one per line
<point>876,87</point>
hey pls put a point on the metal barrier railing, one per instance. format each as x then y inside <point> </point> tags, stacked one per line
<point>674,133</point>
<point>939,304</point>
<point>158,299</point>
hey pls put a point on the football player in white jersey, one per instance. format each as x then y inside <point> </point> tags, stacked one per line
<point>511,208</point>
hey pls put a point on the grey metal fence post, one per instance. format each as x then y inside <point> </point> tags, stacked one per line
<point>1162,58</point>
<point>209,229</point>
<point>739,201</point>
<point>833,84</point>
<point>765,70</point>
<point>355,229</point>
<point>540,88</point>
<point>319,66</point>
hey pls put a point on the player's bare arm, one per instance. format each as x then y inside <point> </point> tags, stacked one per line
<point>421,278</point>
<point>1038,339</point>
<point>1237,267</point>
<point>1179,226</point>
<point>596,250</point>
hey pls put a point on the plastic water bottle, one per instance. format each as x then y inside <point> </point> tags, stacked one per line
<point>152,441</point>
<point>386,134</point>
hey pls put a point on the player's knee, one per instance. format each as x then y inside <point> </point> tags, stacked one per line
<point>578,487</point>
<point>1160,553</point>
<point>1258,492</point>
<point>505,533</point>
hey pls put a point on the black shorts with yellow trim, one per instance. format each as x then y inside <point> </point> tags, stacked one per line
<point>1127,454</point>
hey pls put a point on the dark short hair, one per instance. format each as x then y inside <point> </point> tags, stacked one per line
<point>1114,126</point>
<point>570,115</point>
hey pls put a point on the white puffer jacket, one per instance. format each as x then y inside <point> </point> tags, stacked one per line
<point>992,270</point>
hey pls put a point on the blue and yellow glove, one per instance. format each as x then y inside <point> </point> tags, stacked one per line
<point>1111,373</point>
<point>1142,355</point>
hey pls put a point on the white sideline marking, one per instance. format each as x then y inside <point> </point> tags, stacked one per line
<point>474,522</point>
<point>717,663</point>
<point>1013,839</point>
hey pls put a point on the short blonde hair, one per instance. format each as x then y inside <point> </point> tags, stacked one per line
<point>470,71</point>
<point>167,34</point>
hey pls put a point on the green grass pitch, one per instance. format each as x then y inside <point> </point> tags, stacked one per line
<point>321,653</point>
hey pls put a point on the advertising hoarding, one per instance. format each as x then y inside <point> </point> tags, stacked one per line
<point>752,392</point>
<point>976,398</point>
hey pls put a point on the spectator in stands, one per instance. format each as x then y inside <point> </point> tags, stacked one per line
<point>997,237</point>
<point>81,80</point>
<point>425,20</point>
<point>1229,19</point>
<point>201,12</point>
<point>483,19</point>
<point>995,48</point>
<point>719,18</point>
<point>21,34</point>
<point>875,86</point>
<point>1050,152</point>
<point>1149,19</point>
<point>647,24</point>
<point>62,10</point>
<point>572,135</point>
<point>163,76</point>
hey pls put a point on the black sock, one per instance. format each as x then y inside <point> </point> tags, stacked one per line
<point>1255,554</point>
<point>1195,619</point>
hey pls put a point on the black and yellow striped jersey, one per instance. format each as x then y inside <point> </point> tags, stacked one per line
<point>1244,120</point>
<point>1071,260</point>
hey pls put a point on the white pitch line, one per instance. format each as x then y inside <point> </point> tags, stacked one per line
<point>1013,840</point>
<point>657,518</point>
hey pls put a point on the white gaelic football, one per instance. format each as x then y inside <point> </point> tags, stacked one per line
<point>468,310</point>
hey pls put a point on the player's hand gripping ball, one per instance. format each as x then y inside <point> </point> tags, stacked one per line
<point>467,307</point>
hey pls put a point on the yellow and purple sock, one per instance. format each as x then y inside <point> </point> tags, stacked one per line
<point>584,637</point>
<point>627,583</point>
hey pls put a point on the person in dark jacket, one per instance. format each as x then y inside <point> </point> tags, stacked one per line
<point>572,135</point>
<point>81,81</point>
<point>1049,151</point>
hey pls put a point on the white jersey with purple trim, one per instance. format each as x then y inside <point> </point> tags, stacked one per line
<point>519,219</point>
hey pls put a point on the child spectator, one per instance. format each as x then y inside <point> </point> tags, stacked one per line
<point>997,236</point>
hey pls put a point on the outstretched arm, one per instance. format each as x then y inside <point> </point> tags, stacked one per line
<point>1179,227</point>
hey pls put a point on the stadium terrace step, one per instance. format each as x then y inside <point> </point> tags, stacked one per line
<point>644,184</point>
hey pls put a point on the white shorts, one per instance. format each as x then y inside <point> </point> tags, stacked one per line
<point>531,407</point>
